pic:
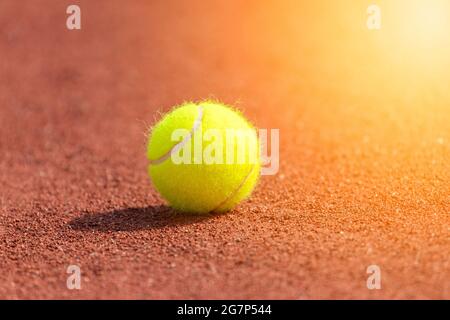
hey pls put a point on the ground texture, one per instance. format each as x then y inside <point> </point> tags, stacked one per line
<point>364,154</point>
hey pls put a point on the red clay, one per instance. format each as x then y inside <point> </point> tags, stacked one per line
<point>364,179</point>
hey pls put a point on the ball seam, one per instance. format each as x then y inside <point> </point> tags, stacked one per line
<point>235,191</point>
<point>180,145</point>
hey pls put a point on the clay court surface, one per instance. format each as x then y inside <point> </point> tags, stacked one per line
<point>364,153</point>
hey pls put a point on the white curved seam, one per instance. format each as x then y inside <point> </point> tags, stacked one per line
<point>180,145</point>
<point>235,191</point>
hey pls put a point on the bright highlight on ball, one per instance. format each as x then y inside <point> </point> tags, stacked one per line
<point>204,157</point>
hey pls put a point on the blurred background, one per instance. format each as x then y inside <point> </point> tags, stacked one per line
<point>364,127</point>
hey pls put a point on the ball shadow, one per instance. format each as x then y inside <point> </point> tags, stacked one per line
<point>134,219</point>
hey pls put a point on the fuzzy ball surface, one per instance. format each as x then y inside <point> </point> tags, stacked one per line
<point>204,157</point>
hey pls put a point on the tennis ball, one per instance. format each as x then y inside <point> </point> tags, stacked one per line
<point>204,157</point>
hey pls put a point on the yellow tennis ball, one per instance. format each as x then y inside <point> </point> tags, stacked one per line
<point>204,157</point>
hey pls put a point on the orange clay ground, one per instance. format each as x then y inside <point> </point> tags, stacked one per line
<point>364,153</point>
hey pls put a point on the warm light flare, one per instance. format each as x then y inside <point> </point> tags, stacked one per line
<point>415,39</point>
<point>425,24</point>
